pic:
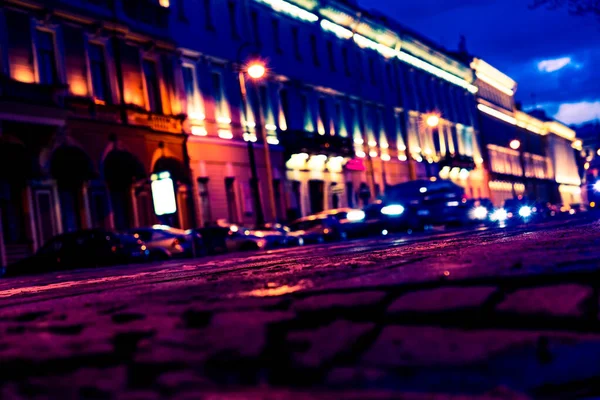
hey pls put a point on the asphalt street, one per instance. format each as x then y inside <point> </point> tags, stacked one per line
<point>494,312</point>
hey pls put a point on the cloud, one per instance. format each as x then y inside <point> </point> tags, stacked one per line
<point>578,113</point>
<point>553,65</point>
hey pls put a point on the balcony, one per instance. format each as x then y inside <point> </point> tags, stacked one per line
<point>312,144</point>
<point>85,107</point>
<point>31,93</point>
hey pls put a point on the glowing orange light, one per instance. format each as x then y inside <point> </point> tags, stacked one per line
<point>515,144</point>
<point>256,70</point>
<point>432,120</point>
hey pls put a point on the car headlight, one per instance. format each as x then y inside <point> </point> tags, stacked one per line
<point>597,186</point>
<point>480,213</point>
<point>392,209</point>
<point>355,215</point>
<point>499,215</point>
<point>525,211</point>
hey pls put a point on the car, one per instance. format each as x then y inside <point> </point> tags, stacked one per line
<point>428,202</point>
<point>521,209</point>
<point>82,249</point>
<point>351,221</point>
<point>383,218</point>
<point>479,210</point>
<point>165,242</point>
<point>317,228</point>
<point>288,237</point>
<point>243,239</point>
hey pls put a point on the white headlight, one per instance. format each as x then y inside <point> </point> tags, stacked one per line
<point>597,186</point>
<point>499,215</point>
<point>480,213</point>
<point>393,209</point>
<point>525,211</point>
<point>355,215</point>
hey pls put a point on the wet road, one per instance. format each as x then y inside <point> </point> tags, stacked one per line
<point>238,321</point>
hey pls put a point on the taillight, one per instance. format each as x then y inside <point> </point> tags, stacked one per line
<point>175,243</point>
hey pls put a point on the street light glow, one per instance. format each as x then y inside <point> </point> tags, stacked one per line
<point>256,70</point>
<point>433,120</point>
<point>515,144</point>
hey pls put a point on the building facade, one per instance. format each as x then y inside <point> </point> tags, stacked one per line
<point>101,99</point>
<point>525,154</point>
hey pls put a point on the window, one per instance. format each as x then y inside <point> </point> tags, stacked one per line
<point>314,50</point>
<point>233,20</point>
<point>372,70</point>
<point>152,86</point>
<point>324,114</point>
<point>217,92</point>
<point>345,60</point>
<point>98,72</point>
<point>264,102</point>
<point>330,55</point>
<point>296,43</point>
<point>231,200</point>
<point>191,91</point>
<point>204,200</point>
<point>255,29</point>
<point>181,10</point>
<point>340,120</point>
<point>285,104</point>
<point>208,15</point>
<point>388,73</point>
<point>276,35</point>
<point>46,54</point>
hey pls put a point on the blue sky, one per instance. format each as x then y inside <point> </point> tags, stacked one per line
<point>552,55</point>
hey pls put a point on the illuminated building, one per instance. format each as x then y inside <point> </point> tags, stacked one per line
<point>526,154</point>
<point>88,115</point>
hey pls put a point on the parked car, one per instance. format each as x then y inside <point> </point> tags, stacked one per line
<point>214,238</point>
<point>426,202</point>
<point>317,229</point>
<point>165,242</point>
<point>521,209</point>
<point>351,221</point>
<point>289,238</point>
<point>244,239</point>
<point>82,249</point>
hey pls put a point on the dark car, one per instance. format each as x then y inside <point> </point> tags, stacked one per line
<point>383,218</point>
<point>425,202</point>
<point>521,209</point>
<point>165,242</point>
<point>317,229</point>
<point>479,210</point>
<point>82,249</point>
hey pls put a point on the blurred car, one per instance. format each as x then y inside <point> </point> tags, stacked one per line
<point>425,202</point>
<point>214,238</point>
<point>383,218</point>
<point>479,210</point>
<point>165,242</point>
<point>317,229</point>
<point>521,209</point>
<point>244,239</point>
<point>289,238</point>
<point>350,221</point>
<point>82,249</point>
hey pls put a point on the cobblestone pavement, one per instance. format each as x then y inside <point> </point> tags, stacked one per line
<point>491,313</point>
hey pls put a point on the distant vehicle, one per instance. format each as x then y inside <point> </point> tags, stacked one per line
<point>165,242</point>
<point>479,210</point>
<point>426,202</point>
<point>244,239</point>
<point>82,249</point>
<point>289,238</point>
<point>317,229</point>
<point>521,209</point>
<point>383,218</point>
<point>351,221</point>
<point>214,238</point>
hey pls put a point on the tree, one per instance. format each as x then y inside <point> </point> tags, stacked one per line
<point>575,7</point>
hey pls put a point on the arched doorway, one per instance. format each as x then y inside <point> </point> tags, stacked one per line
<point>121,171</point>
<point>180,178</point>
<point>71,168</point>
<point>17,167</point>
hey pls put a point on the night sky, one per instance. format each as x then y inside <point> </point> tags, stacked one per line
<point>552,55</point>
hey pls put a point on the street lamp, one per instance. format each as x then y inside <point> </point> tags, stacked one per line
<point>432,120</point>
<point>256,70</point>
<point>515,144</point>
